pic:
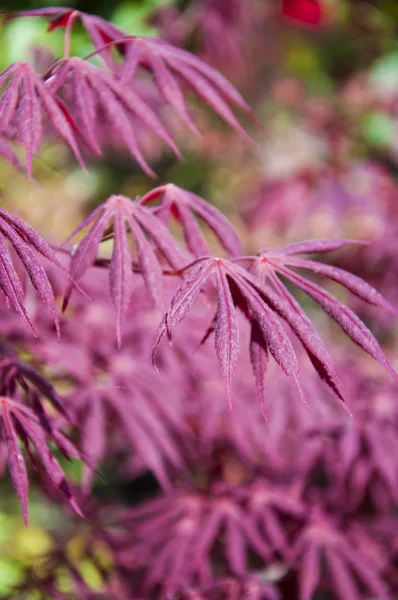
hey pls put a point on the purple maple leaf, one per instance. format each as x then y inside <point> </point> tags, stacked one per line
<point>272,509</point>
<point>168,64</point>
<point>25,100</point>
<point>19,421</point>
<point>172,539</point>
<point>266,311</point>
<point>365,447</point>
<point>321,549</point>
<point>270,263</point>
<point>180,204</point>
<point>22,238</point>
<point>126,215</point>
<point>134,401</point>
<point>95,94</point>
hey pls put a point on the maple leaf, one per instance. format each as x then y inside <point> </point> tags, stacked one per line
<point>96,94</point>
<point>270,263</point>
<point>263,307</point>
<point>365,447</point>
<point>19,421</point>
<point>135,402</point>
<point>23,238</point>
<point>271,510</point>
<point>322,547</point>
<point>119,403</point>
<point>367,464</point>
<point>163,60</point>
<point>180,204</point>
<point>125,216</point>
<point>173,538</point>
<point>25,100</point>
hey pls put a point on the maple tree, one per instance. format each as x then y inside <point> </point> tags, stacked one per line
<point>232,502</point>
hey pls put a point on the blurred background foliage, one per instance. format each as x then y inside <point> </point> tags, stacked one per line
<point>360,39</point>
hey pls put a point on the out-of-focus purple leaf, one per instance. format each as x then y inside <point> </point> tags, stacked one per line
<point>16,463</point>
